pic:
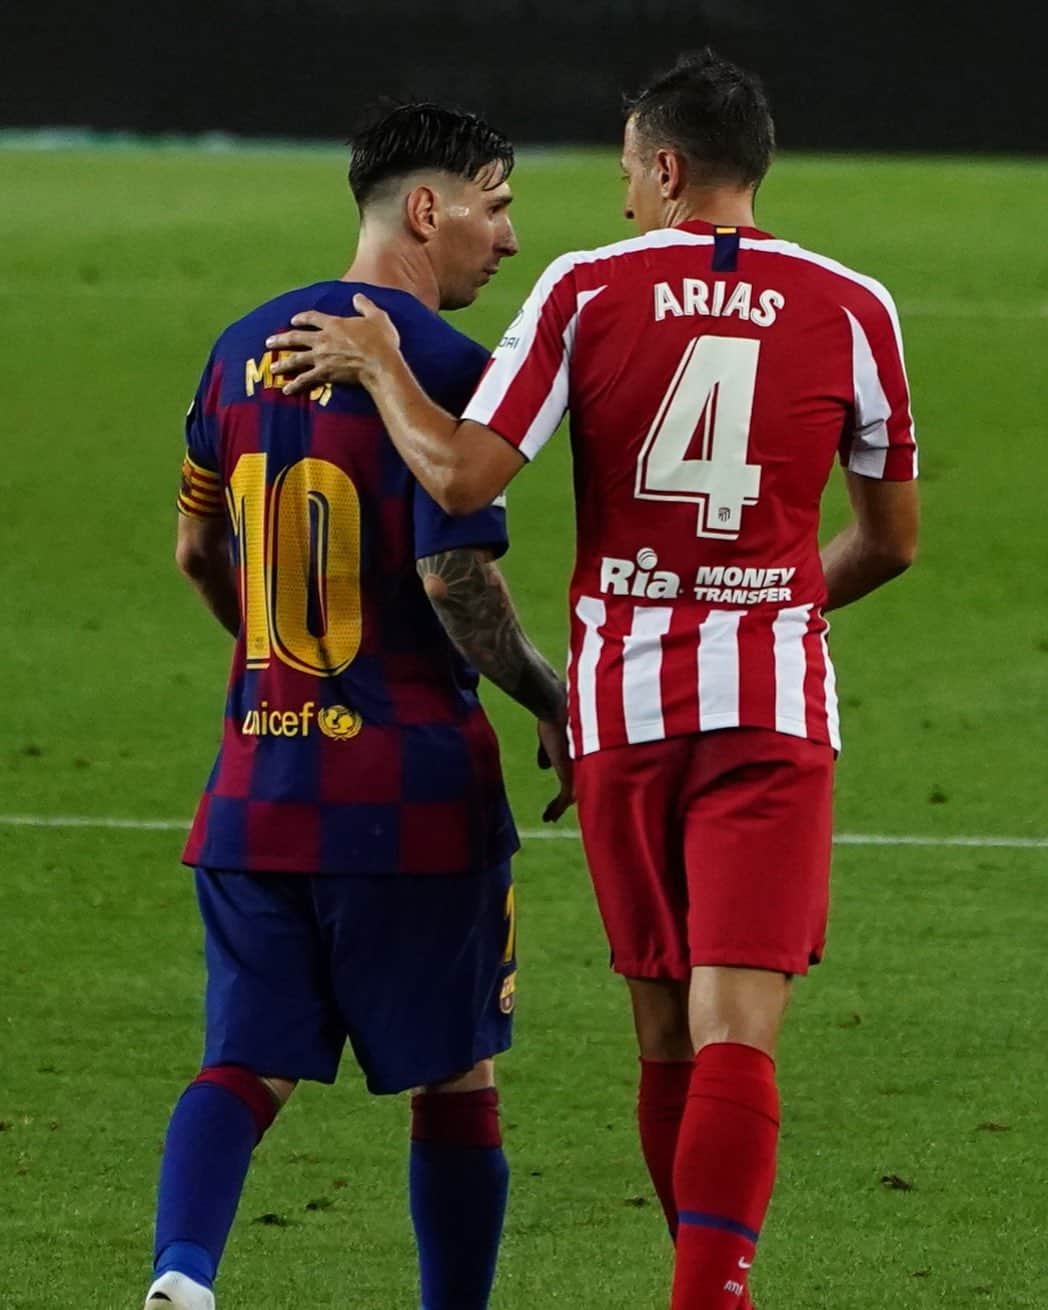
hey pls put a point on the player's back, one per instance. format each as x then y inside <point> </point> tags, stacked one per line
<point>353,739</point>
<point>712,375</point>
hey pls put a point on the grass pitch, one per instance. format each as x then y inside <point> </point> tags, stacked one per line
<point>913,1159</point>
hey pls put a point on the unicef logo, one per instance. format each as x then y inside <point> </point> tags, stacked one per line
<point>339,722</point>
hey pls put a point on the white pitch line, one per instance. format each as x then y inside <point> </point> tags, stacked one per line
<point>918,839</point>
<point>982,841</point>
<point>91,821</point>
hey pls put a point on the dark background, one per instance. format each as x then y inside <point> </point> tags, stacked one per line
<point>888,76</point>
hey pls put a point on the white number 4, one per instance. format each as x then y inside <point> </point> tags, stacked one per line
<point>711,396</point>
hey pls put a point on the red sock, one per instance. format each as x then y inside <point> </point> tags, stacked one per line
<point>723,1174</point>
<point>661,1097</point>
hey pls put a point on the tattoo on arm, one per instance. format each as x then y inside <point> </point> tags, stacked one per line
<point>473,603</point>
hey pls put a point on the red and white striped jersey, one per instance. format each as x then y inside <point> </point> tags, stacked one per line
<point>711,375</point>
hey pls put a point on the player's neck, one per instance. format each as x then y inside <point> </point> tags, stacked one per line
<point>721,206</point>
<point>388,263</point>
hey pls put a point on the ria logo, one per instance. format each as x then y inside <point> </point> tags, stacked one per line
<point>624,577</point>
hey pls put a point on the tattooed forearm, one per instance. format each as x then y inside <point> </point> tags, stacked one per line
<point>473,603</point>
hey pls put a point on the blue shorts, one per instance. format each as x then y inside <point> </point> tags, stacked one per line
<point>418,971</point>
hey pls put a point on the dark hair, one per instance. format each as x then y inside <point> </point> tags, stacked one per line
<point>397,138</point>
<point>715,113</point>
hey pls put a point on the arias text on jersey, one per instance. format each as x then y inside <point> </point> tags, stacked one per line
<point>714,300</point>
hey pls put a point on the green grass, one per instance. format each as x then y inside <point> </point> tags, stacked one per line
<point>926,1023</point>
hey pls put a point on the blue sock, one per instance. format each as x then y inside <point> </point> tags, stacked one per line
<point>214,1128</point>
<point>459,1180</point>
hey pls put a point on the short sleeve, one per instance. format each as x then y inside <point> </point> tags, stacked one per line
<point>459,378</point>
<point>880,440</point>
<point>447,363</point>
<point>436,531</point>
<point>201,493</point>
<point>523,394</point>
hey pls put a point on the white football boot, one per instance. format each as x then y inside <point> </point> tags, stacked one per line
<point>174,1291</point>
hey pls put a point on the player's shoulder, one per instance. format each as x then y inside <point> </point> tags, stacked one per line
<point>619,258</point>
<point>822,274</point>
<point>330,297</point>
<point>422,330</point>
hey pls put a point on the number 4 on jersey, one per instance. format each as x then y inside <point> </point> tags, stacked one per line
<point>711,395</point>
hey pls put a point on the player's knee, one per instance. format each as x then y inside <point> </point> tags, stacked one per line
<point>262,1096</point>
<point>738,1005</point>
<point>477,1079</point>
<point>459,1111</point>
<point>660,1017</point>
<point>280,1089</point>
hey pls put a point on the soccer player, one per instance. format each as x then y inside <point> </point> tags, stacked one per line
<point>352,846</point>
<point>712,373</point>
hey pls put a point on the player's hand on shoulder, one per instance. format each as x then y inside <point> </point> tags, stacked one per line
<point>553,753</point>
<point>322,348</point>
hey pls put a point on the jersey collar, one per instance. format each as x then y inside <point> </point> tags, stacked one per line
<point>701,228</point>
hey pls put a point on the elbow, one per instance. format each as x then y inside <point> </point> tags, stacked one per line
<point>192,562</point>
<point>895,557</point>
<point>456,495</point>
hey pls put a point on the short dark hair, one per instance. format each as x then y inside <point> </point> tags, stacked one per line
<point>396,138</point>
<point>715,113</point>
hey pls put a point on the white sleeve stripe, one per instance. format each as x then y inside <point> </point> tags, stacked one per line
<point>546,421</point>
<point>508,361</point>
<point>550,412</point>
<point>872,409</point>
<point>868,462</point>
<point>497,380</point>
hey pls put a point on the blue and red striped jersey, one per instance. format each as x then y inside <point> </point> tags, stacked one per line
<point>354,740</point>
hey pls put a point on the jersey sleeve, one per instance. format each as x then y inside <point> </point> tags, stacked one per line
<point>879,442</point>
<point>200,494</point>
<point>458,380</point>
<point>436,531</point>
<point>524,391</point>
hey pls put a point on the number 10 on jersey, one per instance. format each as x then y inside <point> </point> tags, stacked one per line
<point>710,396</point>
<point>299,547</point>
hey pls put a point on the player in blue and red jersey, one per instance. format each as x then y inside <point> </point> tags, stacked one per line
<point>352,844</point>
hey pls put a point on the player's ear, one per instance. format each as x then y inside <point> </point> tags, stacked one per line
<point>420,210</point>
<point>672,173</point>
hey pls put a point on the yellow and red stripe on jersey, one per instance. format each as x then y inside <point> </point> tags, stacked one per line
<point>200,495</point>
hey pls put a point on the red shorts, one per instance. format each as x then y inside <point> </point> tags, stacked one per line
<point>710,849</point>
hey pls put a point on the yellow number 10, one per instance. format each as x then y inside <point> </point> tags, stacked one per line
<point>299,545</point>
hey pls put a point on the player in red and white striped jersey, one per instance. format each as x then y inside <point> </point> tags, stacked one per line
<point>712,374</point>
